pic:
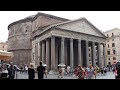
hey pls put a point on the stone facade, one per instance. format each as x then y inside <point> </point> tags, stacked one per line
<point>19,42</point>
<point>69,43</point>
<point>20,33</point>
<point>56,40</point>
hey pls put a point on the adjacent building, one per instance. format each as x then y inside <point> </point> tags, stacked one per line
<point>54,40</point>
<point>113,46</point>
<point>3,46</point>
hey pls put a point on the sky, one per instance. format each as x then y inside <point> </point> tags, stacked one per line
<point>103,20</point>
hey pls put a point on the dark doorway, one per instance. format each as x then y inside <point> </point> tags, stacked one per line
<point>83,49</point>
<point>75,51</point>
<point>68,52</point>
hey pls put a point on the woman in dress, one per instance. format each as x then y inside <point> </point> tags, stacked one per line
<point>80,72</point>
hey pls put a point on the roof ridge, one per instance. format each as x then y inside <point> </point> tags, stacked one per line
<point>54,25</point>
<point>67,22</point>
<point>111,30</point>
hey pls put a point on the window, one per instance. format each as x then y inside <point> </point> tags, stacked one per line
<point>108,52</point>
<point>114,58</point>
<point>96,63</point>
<point>112,34</point>
<point>89,55</point>
<point>3,46</point>
<point>113,44</point>
<point>108,45</point>
<point>26,30</point>
<point>109,58</point>
<point>112,39</point>
<point>113,51</point>
<point>109,63</point>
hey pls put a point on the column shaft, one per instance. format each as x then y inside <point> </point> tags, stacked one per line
<point>52,53</point>
<point>47,54</point>
<point>62,51</point>
<point>105,61</point>
<point>71,53</point>
<point>79,53</point>
<point>94,53</point>
<point>43,52</point>
<point>87,55</point>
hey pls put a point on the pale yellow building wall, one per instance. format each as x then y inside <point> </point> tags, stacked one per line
<point>109,41</point>
<point>3,46</point>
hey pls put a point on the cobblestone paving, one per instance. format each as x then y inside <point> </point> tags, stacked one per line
<point>109,75</point>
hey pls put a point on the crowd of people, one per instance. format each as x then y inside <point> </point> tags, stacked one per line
<point>41,71</point>
<point>7,72</point>
<point>85,72</point>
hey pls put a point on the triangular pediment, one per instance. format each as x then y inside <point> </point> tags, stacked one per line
<point>81,25</point>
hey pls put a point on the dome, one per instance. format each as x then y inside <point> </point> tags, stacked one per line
<point>31,16</point>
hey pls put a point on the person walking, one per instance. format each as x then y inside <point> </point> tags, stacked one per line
<point>90,72</point>
<point>26,69</point>
<point>80,72</point>
<point>95,72</point>
<point>40,71</point>
<point>76,71</point>
<point>4,73</point>
<point>105,71</point>
<point>46,71</point>
<point>11,72</point>
<point>68,70</point>
<point>60,72</point>
<point>113,70</point>
<point>102,71</point>
<point>31,72</point>
<point>21,69</point>
<point>85,73</point>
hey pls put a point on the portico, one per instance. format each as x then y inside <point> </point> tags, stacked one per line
<point>65,44</point>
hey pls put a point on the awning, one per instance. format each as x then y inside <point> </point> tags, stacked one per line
<point>4,55</point>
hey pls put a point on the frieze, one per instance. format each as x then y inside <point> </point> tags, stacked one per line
<point>69,34</point>
<point>75,35</point>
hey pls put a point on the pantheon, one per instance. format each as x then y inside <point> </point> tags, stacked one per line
<point>54,40</point>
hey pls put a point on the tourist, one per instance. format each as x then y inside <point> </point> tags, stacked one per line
<point>76,71</point>
<point>105,70</point>
<point>26,69</point>
<point>68,70</point>
<point>102,71</point>
<point>113,69</point>
<point>95,71</point>
<point>31,72</point>
<point>80,72</point>
<point>4,73</point>
<point>60,72</point>
<point>11,72</point>
<point>85,73</point>
<point>21,69</point>
<point>90,72</point>
<point>40,71</point>
<point>46,72</point>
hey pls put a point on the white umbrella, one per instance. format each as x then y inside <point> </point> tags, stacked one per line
<point>62,65</point>
<point>44,65</point>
